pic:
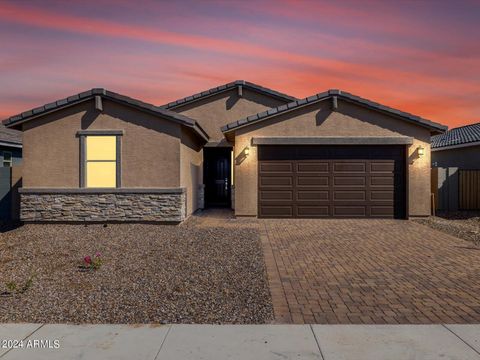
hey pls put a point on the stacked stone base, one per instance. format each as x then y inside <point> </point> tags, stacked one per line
<point>152,205</point>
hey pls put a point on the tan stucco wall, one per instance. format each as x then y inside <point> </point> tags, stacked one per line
<point>319,120</point>
<point>191,168</point>
<point>150,146</point>
<point>216,111</point>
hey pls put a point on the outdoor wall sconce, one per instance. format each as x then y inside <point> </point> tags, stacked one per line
<point>246,150</point>
<point>421,151</point>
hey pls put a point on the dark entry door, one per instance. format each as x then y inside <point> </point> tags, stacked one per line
<point>217,176</point>
<point>332,181</point>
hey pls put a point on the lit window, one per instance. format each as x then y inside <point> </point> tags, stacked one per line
<point>7,159</point>
<point>101,161</point>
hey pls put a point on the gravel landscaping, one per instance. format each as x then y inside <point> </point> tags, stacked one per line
<point>203,271</point>
<point>462,224</point>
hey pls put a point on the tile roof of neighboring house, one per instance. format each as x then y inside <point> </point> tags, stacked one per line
<point>329,94</point>
<point>231,85</point>
<point>110,95</point>
<point>458,136</point>
<point>10,136</point>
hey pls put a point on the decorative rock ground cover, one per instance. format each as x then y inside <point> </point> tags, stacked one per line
<point>189,273</point>
<point>463,225</point>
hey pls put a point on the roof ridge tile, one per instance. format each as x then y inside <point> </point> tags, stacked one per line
<point>74,99</point>
<point>227,86</point>
<point>329,93</point>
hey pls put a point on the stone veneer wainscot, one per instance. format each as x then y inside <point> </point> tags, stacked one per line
<point>102,205</point>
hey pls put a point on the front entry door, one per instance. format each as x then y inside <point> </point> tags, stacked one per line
<point>217,176</point>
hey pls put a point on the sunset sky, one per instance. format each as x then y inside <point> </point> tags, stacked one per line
<point>418,56</point>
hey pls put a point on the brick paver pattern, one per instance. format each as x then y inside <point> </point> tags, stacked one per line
<point>369,272</point>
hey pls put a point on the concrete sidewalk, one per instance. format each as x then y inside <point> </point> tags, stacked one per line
<point>185,342</point>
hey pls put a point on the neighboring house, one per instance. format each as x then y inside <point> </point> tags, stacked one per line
<point>10,147</point>
<point>101,156</point>
<point>456,163</point>
<point>458,147</point>
<point>10,155</point>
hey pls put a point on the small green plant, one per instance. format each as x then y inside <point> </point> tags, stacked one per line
<point>11,286</point>
<point>28,284</point>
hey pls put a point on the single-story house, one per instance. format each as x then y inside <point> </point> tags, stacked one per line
<point>458,147</point>
<point>10,147</point>
<point>101,156</point>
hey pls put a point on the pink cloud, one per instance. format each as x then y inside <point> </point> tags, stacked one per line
<point>42,18</point>
<point>294,57</point>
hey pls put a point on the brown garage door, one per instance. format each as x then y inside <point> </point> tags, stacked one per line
<point>331,181</point>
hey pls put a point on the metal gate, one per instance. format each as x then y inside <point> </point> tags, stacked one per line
<point>469,189</point>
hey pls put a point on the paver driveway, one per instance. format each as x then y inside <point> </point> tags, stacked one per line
<point>369,271</point>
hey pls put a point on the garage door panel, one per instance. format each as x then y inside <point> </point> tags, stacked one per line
<point>309,181</point>
<point>276,195</point>
<point>276,181</point>
<point>349,167</point>
<point>312,167</point>
<point>381,167</point>
<point>305,195</point>
<point>349,211</point>
<point>381,180</point>
<point>276,211</point>
<point>381,211</point>
<point>382,195</point>
<point>275,167</point>
<point>331,181</point>
<point>349,181</point>
<point>313,211</point>
<point>349,195</point>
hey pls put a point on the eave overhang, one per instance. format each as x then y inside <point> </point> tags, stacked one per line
<point>333,140</point>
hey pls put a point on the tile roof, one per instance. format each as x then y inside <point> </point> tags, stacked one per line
<point>110,95</point>
<point>226,87</point>
<point>457,136</point>
<point>10,136</point>
<point>329,94</point>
